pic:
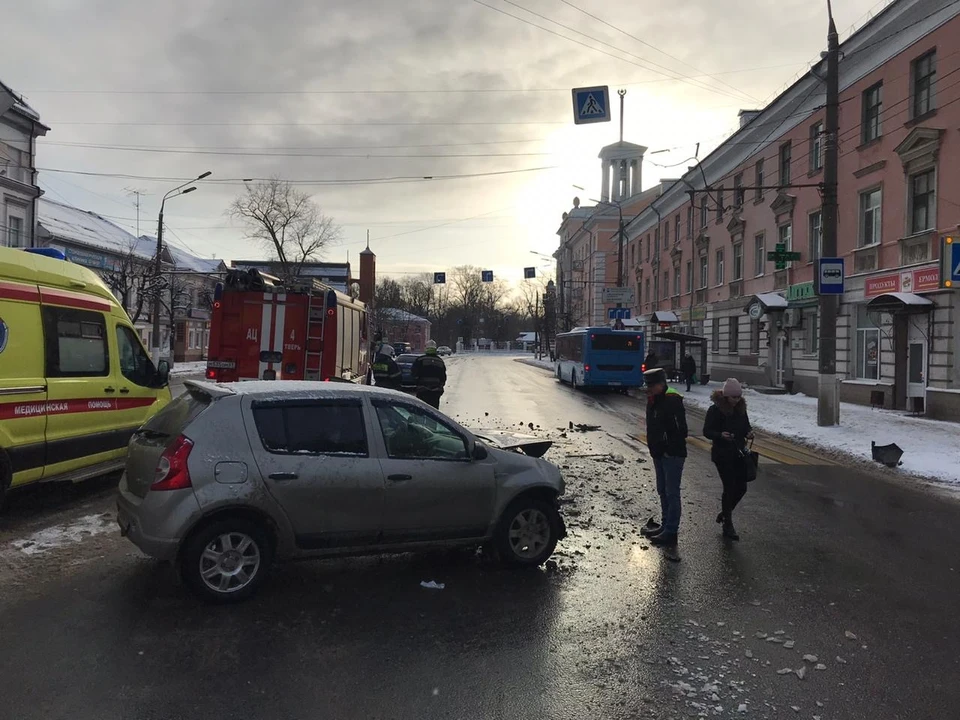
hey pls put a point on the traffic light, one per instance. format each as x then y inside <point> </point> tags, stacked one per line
<point>529,273</point>
<point>439,278</point>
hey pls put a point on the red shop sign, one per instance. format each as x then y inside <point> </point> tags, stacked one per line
<point>926,279</point>
<point>881,284</point>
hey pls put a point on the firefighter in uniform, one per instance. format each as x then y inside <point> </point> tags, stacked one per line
<point>386,372</point>
<point>430,375</point>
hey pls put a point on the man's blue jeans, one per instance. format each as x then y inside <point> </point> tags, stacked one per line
<point>669,471</point>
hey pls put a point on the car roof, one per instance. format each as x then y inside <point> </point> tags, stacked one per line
<point>293,389</point>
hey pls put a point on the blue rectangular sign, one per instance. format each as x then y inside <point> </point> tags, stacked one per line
<point>830,276</point>
<point>486,275</point>
<point>591,105</point>
<point>618,313</point>
<point>953,261</point>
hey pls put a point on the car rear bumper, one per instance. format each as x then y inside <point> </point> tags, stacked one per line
<point>158,522</point>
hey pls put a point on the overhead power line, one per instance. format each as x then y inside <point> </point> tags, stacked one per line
<point>139,123</point>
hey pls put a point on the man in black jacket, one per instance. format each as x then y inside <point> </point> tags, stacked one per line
<point>688,366</point>
<point>667,442</point>
<point>430,375</point>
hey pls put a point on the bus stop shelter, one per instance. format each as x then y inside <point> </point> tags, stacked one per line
<point>685,340</point>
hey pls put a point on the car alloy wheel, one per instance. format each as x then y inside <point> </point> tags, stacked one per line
<point>529,533</point>
<point>230,562</point>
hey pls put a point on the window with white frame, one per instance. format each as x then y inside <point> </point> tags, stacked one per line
<point>192,336</point>
<point>738,261</point>
<point>786,163</point>
<point>656,242</point>
<point>760,254</point>
<point>15,238</point>
<point>867,364</point>
<point>785,236</point>
<point>718,269</point>
<point>690,221</point>
<point>870,217</point>
<point>703,212</point>
<point>872,110</point>
<point>646,291</point>
<point>666,234</point>
<point>758,180</point>
<point>720,204</point>
<point>923,76</point>
<point>816,146</point>
<point>815,233</point>
<point>922,201</point>
<point>666,284</point>
<point>704,271</point>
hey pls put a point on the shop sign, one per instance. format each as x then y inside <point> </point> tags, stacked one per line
<point>801,291</point>
<point>911,281</point>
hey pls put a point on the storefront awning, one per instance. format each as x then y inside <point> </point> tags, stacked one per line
<point>679,337</point>
<point>764,302</point>
<point>664,316</point>
<point>897,302</point>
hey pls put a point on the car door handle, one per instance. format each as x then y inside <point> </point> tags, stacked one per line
<point>124,391</point>
<point>109,389</point>
<point>399,477</point>
<point>283,476</point>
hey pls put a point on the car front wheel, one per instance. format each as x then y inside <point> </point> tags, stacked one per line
<point>528,532</point>
<point>226,561</point>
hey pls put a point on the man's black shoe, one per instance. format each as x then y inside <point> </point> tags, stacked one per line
<point>651,528</point>
<point>664,539</point>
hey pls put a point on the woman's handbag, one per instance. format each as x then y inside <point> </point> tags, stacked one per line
<point>752,461</point>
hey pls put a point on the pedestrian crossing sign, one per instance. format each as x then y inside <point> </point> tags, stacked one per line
<point>591,105</point>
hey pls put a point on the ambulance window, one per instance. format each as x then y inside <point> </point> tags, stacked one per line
<point>76,343</point>
<point>134,362</point>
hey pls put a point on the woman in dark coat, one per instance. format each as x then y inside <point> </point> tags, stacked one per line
<point>728,426</point>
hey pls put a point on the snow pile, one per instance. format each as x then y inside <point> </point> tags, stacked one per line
<point>544,364</point>
<point>930,447</point>
<point>189,368</point>
<point>58,536</point>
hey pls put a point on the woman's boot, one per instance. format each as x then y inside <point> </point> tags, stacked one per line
<point>729,531</point>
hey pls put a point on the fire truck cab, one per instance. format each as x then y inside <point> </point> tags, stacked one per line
<point>263,329</point>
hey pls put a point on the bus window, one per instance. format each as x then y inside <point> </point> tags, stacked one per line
<point>615,342</point>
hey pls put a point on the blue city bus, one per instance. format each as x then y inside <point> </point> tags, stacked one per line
<point>600,357</point>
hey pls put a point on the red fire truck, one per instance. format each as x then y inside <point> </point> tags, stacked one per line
<point>262,329</point>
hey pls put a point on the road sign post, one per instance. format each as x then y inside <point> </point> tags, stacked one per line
<point>618,295</point>
<point>618,313</point>
<point>591,105</point>
<point>830,276</point>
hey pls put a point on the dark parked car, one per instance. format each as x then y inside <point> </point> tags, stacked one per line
<point>406,366</point>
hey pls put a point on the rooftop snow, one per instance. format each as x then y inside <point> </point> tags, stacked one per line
<point>71,224</point>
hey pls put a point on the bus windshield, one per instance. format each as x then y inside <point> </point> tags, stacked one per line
<point>628,343</point>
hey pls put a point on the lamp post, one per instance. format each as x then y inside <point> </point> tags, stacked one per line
<point>179,190</point>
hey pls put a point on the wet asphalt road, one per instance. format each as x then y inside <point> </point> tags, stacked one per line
<point>94,630</point>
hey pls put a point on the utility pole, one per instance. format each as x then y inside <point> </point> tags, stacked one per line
<point>621,93</point>
<point>828,402</point>
<point>537,335</point>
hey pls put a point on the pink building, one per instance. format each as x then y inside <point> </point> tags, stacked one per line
<point>705,260</point>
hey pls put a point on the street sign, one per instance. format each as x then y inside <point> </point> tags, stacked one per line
<point>591,105</point>
<point>780,256</point>
<point>618,314</point>
<point>439,278</point>
<point>529,273</point>
<point>950,252</point>
<point>486,275</point>
<point>618,295</point>
<point>830,277</point>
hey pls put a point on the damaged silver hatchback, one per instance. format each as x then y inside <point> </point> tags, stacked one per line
<point>229,478</point>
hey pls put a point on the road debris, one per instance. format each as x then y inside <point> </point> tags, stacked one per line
<point>432,585</point>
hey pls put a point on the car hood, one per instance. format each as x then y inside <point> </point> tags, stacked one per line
<point>505,440</point>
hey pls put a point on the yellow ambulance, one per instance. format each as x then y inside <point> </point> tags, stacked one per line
<point>75,380</point>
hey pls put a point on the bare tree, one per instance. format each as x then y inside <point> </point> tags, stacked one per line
<point>418,293</point>
<point>133,281</point>
<point>287,222</point>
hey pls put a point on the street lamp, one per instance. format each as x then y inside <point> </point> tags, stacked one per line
<point>179,190</point>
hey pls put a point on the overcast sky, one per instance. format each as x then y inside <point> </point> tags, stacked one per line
<point>251,88</point>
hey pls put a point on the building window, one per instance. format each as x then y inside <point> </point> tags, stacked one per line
<point>646,291</point>
<point>872,109</point>
<point>868,346</point>
<point>719,267</point>
<point>193,340</point>
<point>703,212</point>
<point>15,231</point>
<point>676,228</point>
<point>922,198</point>
<point>755,337</point>
<point>738,190</point>
<point>666,234</point>
<point>924,74</point>
<point>760,255</point>
<point>758,180</point>
<point>811,331</point>
<point>704,271</point>
<point>715,340</point>
<point>738,261</point>
<point>870,216</point>
<point>690,220</point>
<point>733,331</point>
<point>785,236</point>
<point>815,232</point>
<point>786,160</point>
<point>689,276</point>
<point>648,246</point>
<point>720,204</point>
<point>656,243</point>
<point>676,281</point>
<point>656,288</point>
<point>666,283</point>
<point>816,146</point>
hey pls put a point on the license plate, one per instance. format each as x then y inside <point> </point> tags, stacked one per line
<point>614,383</point>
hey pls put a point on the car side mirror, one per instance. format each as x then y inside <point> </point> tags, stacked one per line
<point>163,373</point>
<point>479,452</point>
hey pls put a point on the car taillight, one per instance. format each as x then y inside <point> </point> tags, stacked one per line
<point>172,472</point>
<point>643,367</point>
<point>586,368</point>
<point>211,373</point>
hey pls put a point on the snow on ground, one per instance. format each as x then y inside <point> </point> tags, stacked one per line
<point>189,368</point>
<point>930,447</point>
<point>58,536</point>
<point>545,364</point>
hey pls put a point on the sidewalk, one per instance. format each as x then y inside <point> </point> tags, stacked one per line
<point>931,448</point>
<point>189,368</point>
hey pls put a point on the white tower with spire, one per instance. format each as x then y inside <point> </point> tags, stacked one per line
<point>621,164</point>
